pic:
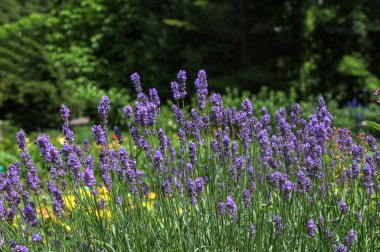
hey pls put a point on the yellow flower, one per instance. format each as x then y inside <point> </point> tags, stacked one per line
<point>14,224</point>
<point>148,205</point>
<point>152,195</point>
<point>83,192</point>
<point>103,190</point>
<point>104,194</point>
<point>61,140</point>
<point>104,213</point>
<point>70,202</point>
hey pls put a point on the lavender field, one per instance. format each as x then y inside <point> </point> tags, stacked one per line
<point>224,179</point>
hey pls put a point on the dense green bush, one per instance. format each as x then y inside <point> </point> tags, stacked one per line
<point>314,47</point>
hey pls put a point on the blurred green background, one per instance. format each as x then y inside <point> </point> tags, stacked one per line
<point>280,52</point>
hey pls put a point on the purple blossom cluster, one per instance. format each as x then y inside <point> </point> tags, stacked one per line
<point>179,87</point>
<point>32,179</point>
<point>202,88</point>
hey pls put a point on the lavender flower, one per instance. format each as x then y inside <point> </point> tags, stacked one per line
<point>99,135</point>
<point>58,203</point>
<point>359,216</point>
<point>265,119</point>
<point>368,178</point>
<point>107,180</point>
<point>264,147</point>
<point>252,231</point>
<point>199,185</point>
<point>246,198</point>
<point>13,181</point>
<point>192,191</point>
<point>178,115</point>
<point>103,109</point>
<point>155,99</point>
<point>350,239</point>
<point>127,111</point>
<point>340,248</point>
<point>164,140</point>
<point>175,89</point>
<point>192,152</point>
<point>231,207</point>
<point>12,243</point>
<point>3,210</point>
<point>21,139</point>
<point>180,189</point>
<point>11,215</point>
<point>65,114</point>
<point>142,98</point>
<point>118,134</point>
<point>321,221</point>
<point>278,226</point>
<point>181,76</point>
<point>135,78</point>
<point>75,167</point>
<point>44,147</point>
<point>355,169</point>
<point>145,113</point>
<point>304,183</point>
<point>88,176</point>
<point>240,118</point>
<point>66,131</point>
<point>201,86</point>
<point>102,204</point>
<point>20,248</point>
<point>311,227</point>
<point>167,188</point>
<point>36,237</point>
<point>158,158</point>
<point>31,177</point>
<point>276,179</point>
<point>287,187</point>
<point>118,200</point>
<point>226,144</point>
<point>247,107</point>
<point>372,143</point>
<point>86,144</point>
<point>221,208</point>
<point>29,215</point>
<point>295,114</point>
<point>66,150</point>
<point>217,110</point>
<point>343,208</point>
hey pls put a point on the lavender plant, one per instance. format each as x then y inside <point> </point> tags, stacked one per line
<point>224,181</point>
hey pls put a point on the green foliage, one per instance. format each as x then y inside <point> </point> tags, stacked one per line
<point>373,125</point>
<point>355,66</point>
<point>31,100</point>
<point>87,99</point>
<point>310,47</point>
